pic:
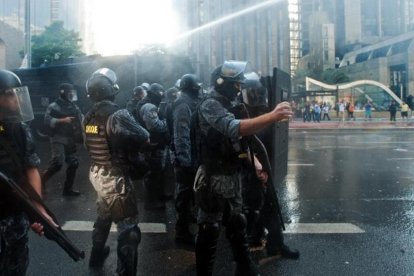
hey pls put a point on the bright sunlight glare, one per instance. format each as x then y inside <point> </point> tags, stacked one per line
<point>123,26</point>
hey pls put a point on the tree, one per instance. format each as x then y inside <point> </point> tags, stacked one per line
<point>55,43</point>
<point>333,76</point>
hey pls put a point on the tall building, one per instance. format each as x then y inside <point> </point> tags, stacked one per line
<point>241,30</point>
<point>357,23</point>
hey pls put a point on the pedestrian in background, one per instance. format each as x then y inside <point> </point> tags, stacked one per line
<point>404,111</point>
<point>317,112</point>
<point>393,110</point>
<point>368,110</point>
<point>325,112</point>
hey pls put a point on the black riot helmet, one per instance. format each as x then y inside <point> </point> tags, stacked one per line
<point>171,94</point>
<point>227,78</point>
<point>145,85</point>
<point>102,85</point>
<point>15,104</point>
<point>190,84</point>
<point>155,93</point>
<point>253,91</point>
<point>139,92</point>
<point>68,92</point>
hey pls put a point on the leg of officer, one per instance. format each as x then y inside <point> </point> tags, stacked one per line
<point>236,234</point>
<point>14,252</point>
<point>153,180</point>
<point>184,204</point>
<point>72,162</point>
<point>100,233</point>
<point>56,161</point>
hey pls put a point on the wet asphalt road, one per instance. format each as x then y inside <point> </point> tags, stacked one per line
<point>363,178</point>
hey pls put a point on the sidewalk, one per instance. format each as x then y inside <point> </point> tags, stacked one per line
<point>376,123</point>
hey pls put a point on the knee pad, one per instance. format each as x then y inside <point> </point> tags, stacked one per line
<point>131,237</point>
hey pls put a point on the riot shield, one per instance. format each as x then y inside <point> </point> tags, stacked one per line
<point>279,90</point>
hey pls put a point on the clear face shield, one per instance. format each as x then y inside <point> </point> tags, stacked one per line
<point>253,92</point>
<point>15,105</point>
<point>71,95</point>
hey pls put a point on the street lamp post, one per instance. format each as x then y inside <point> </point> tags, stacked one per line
<point>27,35</point>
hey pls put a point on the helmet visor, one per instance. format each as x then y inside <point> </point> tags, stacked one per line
<point>71,95</point>
<point>253,92</point>
<point>15,105</point>
<point>234,70</point>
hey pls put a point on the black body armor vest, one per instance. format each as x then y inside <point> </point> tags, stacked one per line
<point>97,141</point>
<point>219,152</point>
<point>12,152</point>
<point>67,109</point>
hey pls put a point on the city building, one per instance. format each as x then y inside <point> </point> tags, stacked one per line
<point>354,24</point>
<point>390,62</point>
<point>241,30</point>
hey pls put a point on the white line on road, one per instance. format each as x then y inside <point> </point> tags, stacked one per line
<point>402,142</point>
<point>322,228</point>
<point>390,159</point>
<point>300,165</point>
<point>293,228</point>
<point>87,226</point>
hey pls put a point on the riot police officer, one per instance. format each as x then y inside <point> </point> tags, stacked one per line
<point>148,116</point>
<point>18,159</point>
<point>219,151</point>
<point>183,110</point>
<point>63,119</point>
<point>137,95</point>
<point>111,135</point>
<point>256,205</point>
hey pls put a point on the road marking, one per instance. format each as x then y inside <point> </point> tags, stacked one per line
<point>300,165</point>
<point>87,226</point>
<point>402,142</point>
<point>322,228</point>
<point>390,159</point>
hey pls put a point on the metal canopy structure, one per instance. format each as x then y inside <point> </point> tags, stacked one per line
<point>355,85</point>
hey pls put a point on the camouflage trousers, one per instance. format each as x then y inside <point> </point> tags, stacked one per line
<point>14,251</point>
<point>217,195</point>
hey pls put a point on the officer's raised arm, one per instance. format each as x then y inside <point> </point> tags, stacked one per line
<point>281,112</point>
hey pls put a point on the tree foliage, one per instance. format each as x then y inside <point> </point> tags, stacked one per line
<point>333,76</point>
<point>55,43</point>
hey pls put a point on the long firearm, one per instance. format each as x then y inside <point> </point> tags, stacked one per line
<point>240,111</point>
<point>26,198</point>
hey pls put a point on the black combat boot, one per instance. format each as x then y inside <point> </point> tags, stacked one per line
<point>127,250</point>
<point>275,243</point>
<point>99,251</point>
<point>98,256</point>
<point>206,245</point>
<point>283,251</point>
<point>236,234</point>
